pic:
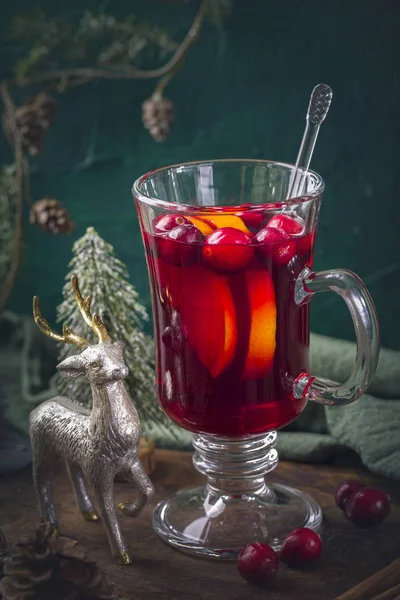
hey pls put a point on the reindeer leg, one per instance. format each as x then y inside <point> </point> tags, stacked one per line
<point>145,489</point>
<point>103,488</point>
<point>42,477</point>
<point>81,495</point>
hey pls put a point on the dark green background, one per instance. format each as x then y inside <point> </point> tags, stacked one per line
<point>242,93</point>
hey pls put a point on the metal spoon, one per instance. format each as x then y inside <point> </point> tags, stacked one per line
<point>318,107</point>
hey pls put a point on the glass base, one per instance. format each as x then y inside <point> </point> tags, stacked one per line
<point>219,527</point>
<point>236,506</point>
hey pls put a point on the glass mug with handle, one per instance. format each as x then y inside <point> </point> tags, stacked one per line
<point>230,267</point>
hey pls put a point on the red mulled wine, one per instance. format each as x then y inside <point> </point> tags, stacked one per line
<point>230,339</point>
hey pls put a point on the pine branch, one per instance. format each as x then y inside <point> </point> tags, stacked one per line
<point>19,158</point>
<point>8,203</point>
<point>97,38</point>
<point>85,74</point>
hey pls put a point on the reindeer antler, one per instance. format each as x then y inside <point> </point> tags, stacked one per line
<point>68,336</point>
<point>94,322</point>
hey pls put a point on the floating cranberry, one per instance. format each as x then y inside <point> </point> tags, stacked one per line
<point>227,250</point>
<point>367,507</point>
<point>181,245</point>
<point>252,218</point>
<point>290,225</point>
<point>345,490</point>
<point>258,563</point>
<point>301,547</point>
<point>276,243</point>
<point>168,222</point>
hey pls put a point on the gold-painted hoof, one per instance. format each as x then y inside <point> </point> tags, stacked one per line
<point>90,515</point>
<point>122,505</point>
<point>55,531</point>
<point>124,559</point>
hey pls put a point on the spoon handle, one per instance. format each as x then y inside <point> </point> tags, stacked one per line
<point>318,107</point>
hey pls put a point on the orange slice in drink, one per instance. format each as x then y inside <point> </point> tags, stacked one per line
<point>262,335</point>
<point>218,221</point>
<point>202,225</point>
<point>207,223</point>
<point>209,316</point>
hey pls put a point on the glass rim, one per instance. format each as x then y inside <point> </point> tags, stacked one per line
<point>165,204</point>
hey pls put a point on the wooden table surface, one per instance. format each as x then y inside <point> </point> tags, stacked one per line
<point>159,572</point>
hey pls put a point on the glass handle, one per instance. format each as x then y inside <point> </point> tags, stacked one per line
<point>350,287</point>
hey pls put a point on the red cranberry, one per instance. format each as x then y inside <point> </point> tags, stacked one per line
<point>181,245</point>
<point>301,547</point>
<point>345,490</point>
<point>258,563</point>
<point>275,243</point>
<point>168,222</point>
<point>367,507</point>
<point>288,224</point>
<point>252,218</point>
<point>227,250</point>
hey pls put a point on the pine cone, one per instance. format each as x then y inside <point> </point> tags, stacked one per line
<point>45,108</point>
<point>50,215</point>
<point>46,568</point>
<point>158,117</point>
<point>33,119</point>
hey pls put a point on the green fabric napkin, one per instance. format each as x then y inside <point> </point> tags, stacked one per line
<point>370,427</point>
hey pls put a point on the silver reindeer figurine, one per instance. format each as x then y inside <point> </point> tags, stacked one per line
<point>96,444</point>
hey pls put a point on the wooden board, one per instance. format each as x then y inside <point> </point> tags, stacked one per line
<point>161,573</point>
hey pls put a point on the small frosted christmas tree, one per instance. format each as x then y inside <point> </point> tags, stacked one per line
<point>102,275</point>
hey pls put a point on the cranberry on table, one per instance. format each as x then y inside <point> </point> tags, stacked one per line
<point>276,243</point>
<point>368,507</point>
<point>181,245</point>
<point>291,225</point>
<point>168,222</point>
<point>301,547</point>
<point>345,490</point>
<point>258,563</point>
<point>227,250</point>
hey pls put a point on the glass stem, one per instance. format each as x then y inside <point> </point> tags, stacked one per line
<point>236,466</point>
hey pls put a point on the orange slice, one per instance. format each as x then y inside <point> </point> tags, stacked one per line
<point>202,225</point>
<point>262,337</point>
<point>218,221</point>
<point>208,223</point>
<point>209,316</point>
<point>227,350</point>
